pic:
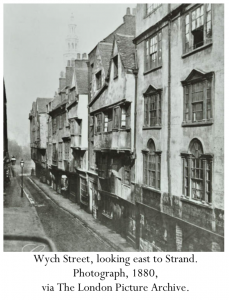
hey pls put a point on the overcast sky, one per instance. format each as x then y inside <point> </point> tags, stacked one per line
<point>34,40</point>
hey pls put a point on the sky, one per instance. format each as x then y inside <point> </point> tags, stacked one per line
<point>34,40</point>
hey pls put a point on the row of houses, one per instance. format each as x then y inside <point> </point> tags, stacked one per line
<point>134,134</point>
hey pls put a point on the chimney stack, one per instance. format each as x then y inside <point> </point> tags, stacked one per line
<point>84,56</point>
<point>78,55</point>
<point>128,18</point>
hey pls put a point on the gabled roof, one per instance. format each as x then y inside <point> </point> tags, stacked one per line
<point>126,49</point>
<point>41,104</point>
<point>105,50</point>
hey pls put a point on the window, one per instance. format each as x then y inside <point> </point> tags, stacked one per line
<point>102,164</point>
<point>54,153</point>
<point>108,207</point>
<point>152,107</point>
<point>72,127</point>
<point>151,166</point>
<point>54,125</point>
<point>60,152</point>
<point>198,98</point>
<point>150,7</point>
<point>126,174</point>
<point>108,121</point>
<point>153,52</point>
<point>60,122</point>
<point>66,150</point>
<point>98,80</point>
<point>125,116</point>
<point>198,27</point>
<point>116,117</point>
<point>98,127</point>
<point>83,191</point>
<point>115,64</point>
<point>197,173</point>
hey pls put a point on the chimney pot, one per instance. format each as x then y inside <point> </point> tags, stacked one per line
<point>133,11</point>
<point>84,56</point>
<point>128,11</point>
<point>78,55</point>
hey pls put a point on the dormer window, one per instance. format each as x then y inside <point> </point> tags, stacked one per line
<point>98,80</point>
<point>115,64</point>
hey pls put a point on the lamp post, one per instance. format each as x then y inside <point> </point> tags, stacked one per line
<point>22,165</point>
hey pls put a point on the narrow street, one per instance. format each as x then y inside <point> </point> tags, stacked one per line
<point>67,232</point>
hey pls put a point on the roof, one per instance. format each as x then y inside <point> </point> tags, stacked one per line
<point>60,104</point>
<point>81,72</point>
<point>126,49</point>
<point>41,104</point>
<point>105,52</point>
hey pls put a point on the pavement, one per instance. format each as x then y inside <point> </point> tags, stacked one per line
<point>112,238</point>
<point>21,222</point>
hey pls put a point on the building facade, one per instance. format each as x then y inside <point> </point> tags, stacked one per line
<point>179,115</point>
<point>111,129</point>
<point>135,133</point>
<point>38,133</point>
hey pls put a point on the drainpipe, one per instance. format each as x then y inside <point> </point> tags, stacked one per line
<point>169,103</point>
<point>135,71</point>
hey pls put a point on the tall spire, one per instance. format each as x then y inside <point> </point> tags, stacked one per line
<point>71,42</point>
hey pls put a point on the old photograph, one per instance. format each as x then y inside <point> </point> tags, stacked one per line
<point>114,127</point>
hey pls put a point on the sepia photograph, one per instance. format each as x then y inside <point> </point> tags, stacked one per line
<point>113,127</point>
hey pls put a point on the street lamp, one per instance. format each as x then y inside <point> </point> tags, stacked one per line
<point>22,165</point>
<point>13,160</point>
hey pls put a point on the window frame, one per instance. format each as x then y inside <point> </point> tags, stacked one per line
<point>148,95</point>
<point>60,150</point>
<point>155,155</point>
<point>98,77</point>
<point>115,65</point>
<point>66,150</point>
<point>188,31</point>
<point>199,163</point>
<point>189,100</point>
<point>154,6</point>
<point>148,66</point>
